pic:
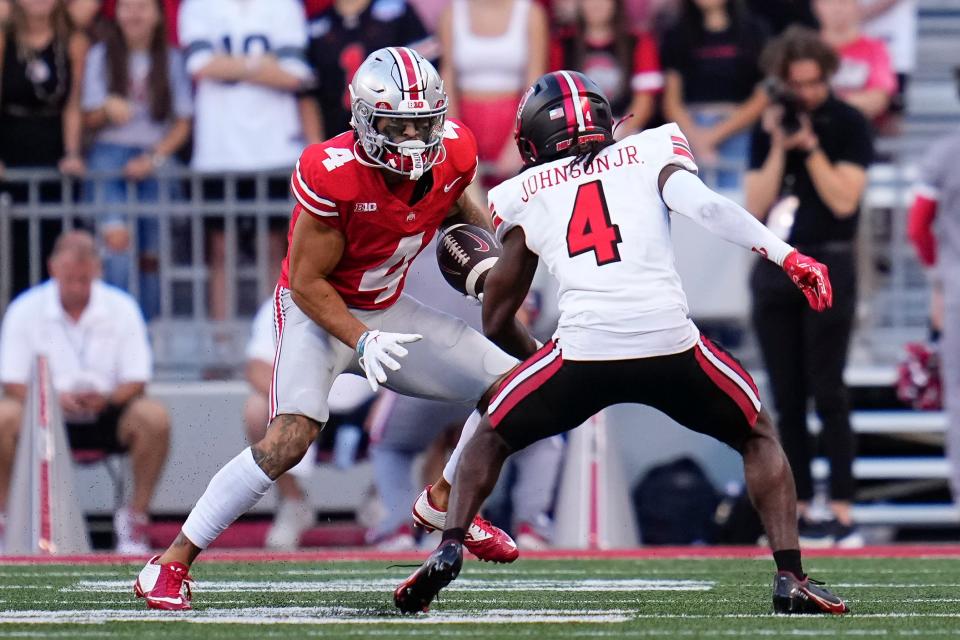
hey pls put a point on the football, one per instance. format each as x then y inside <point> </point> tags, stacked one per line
<point>465,254</point>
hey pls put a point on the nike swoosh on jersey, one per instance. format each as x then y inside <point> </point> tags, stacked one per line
<point>446,188</point>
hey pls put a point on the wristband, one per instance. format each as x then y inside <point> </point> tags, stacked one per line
<point>362,342</point>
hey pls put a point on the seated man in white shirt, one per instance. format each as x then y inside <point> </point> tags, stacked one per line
<point>95,340</point>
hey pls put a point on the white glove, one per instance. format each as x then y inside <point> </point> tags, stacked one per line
<point>375,349</point>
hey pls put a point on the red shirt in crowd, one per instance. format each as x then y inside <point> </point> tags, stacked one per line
<point>864,64</point>
<point>601,65</point>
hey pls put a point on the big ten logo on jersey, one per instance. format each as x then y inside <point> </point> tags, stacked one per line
<point>365,207</point>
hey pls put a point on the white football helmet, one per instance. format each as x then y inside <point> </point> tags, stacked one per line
<point>393,85</point>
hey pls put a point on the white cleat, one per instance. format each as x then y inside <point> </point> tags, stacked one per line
<point>164,586</point>
<point>483,539</point>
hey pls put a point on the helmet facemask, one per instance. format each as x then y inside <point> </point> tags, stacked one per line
<point>378,128</point>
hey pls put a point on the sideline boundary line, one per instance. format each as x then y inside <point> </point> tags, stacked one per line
<point>640,553</point>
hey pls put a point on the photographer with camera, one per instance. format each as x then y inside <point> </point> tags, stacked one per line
<point>807,175</point>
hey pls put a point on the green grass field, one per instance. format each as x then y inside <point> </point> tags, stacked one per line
<point>890,598</point>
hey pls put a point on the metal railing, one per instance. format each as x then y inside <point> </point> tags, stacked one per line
<point>191,208</point>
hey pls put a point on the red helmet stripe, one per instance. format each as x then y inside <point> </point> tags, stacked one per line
<point>584,100</point>
<point>409,70</point>
<point>576,99</point>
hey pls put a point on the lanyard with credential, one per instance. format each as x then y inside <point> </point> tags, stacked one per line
<point>79,350</point>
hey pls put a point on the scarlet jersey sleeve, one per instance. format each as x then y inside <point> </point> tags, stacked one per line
<point>647,75</point>
<point>461,149</point>
<point>310,186</point>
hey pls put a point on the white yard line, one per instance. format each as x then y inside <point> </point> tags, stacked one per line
<point>495,570</point>
<point>312,616</point>
<point>349,615</point>
<point>894,585</point>
<point>59,574</point>
<point>361,585</point>
<point>740,633</point>
<point>858,616</point>
<point>73,633</point>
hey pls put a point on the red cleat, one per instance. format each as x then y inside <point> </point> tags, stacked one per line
<point>484,540</point>
<point>164,586</point>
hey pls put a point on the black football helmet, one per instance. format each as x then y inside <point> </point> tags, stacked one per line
<point>563,113</point>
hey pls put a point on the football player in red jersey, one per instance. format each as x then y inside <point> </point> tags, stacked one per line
<point>368,201</point>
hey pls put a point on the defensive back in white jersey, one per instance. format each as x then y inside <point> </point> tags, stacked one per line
<point>604,233</point>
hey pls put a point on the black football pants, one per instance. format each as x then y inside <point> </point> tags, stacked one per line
<point>805,353</point>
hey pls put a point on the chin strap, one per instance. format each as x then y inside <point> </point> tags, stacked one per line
<point>620,122</point>
<point>413,151</point>
<point>416,158</point>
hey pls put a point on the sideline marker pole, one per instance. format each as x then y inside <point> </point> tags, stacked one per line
<point>44,516</point>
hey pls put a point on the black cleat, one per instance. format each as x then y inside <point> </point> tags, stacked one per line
<point>792,595</point>
<point>442,567</point>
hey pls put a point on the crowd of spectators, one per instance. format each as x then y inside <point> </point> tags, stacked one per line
<point>123,86</point>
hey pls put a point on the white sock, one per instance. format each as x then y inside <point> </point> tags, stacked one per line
<point>232,492</point>
<point>469,428</point>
